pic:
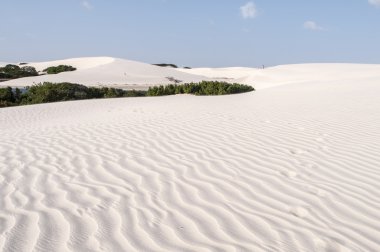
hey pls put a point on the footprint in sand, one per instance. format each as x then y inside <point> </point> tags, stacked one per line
<point>297,152</point>
<point>80,212</point>
<point>299,212</point>
<point>289,173</point>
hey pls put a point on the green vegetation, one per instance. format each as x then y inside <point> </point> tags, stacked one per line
<point>202,88</point>
<point>54,92</point>
<point>59,69</point>
<point>13,72</point>
<point>9,97</point>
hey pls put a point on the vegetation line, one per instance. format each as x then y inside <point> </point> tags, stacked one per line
<point>54,92</point>
<point>10,71</point>
<point>15,72</point>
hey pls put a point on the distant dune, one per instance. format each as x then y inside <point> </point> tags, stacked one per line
<point>106,71</point>
<point>292,167</point>
<point>287,74</point>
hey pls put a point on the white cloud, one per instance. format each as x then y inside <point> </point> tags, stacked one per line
<point>248,10</point>
<point>311,25</point>
<point>374,2</point>
<point>87,5</point>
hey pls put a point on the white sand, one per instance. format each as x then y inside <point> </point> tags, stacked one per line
<point>289,74</point>
<point>291,168</point>
<point>106,71</point>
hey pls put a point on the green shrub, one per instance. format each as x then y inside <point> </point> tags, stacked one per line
<point>13,71</point>
<point>59,69</point>
<point>49,92</point>
<point>5,76</point>
<point>9,97</point>
<point>54,92</point>
<point>6,95</point>
<point>28,71</point>
<point>202,88</point>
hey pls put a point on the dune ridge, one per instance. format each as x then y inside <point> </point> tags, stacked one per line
<point>106,71</point>
<point>290,168</point>
<point>122,73</point>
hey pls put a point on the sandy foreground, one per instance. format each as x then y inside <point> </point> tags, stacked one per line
<point>294,167</point>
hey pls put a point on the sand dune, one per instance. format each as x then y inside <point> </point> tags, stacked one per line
<point>290,168</point>
<point>289,74</point>
<point>106,71</point>
<point>121,73</point>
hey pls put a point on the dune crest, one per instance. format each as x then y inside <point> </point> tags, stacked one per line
<point>106,71</point>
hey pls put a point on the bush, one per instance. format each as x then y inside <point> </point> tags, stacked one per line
<point>202,88</point>
<point>13,71</point>
<point>59,69</point>
<point>5,76</point>
<point>49,92</point>
<point>28,71</point>
<point>9,97</point>
<point>6,95</point>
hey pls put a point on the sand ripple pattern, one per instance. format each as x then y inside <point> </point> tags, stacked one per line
<point>278,170</point>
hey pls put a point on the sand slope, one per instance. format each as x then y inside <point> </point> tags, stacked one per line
<point>290,168</point>
<point>106,71</point>
<point>288,74</point>
<point>121,73</point>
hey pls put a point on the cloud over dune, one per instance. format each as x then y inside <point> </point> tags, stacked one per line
<point>248,10</point>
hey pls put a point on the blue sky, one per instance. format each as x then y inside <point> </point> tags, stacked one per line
<point>193,33</point>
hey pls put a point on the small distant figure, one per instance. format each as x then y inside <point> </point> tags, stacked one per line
<point>263,67</point>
